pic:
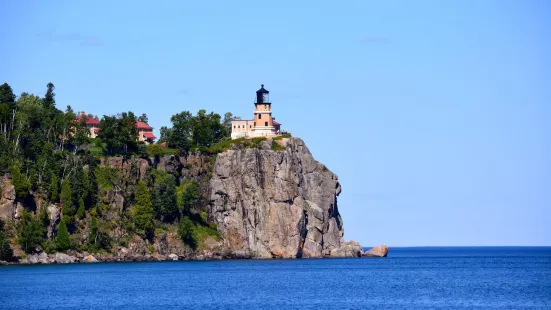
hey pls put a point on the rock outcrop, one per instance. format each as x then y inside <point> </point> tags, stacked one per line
<point>277,204</point>
<point>8,205</point>
<point>378,251</point>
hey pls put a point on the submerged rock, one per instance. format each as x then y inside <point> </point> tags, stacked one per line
<point>378,251</point>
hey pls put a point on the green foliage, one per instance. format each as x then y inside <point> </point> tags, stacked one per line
<point>119,133</point>
<point>107,177</point>
<point>228,118</point>
<point>155,150</point>
<point>98,237</point>
<point>54,188</point>
<point>226,144</point>
<point>30,232</point>
<point>62,237</point>
<point>67,199</point>
<point>276,147</point>
<point>187,195</point>
<point>81,133</point>
<point>6,252</point>
<point>80,210</point>
<point>187,233</point>
<point>194,132</point>
<point>164,196</point>
<point>142,213</point>
<point>280,137</point>
<point>20,182</point>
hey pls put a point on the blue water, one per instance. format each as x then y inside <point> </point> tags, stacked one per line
<point>487,277</point>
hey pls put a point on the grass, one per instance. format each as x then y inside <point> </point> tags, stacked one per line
<point>243,143</point>
<point>158,150</point>
<point>277,147</point>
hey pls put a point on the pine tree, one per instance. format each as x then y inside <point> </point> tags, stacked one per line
<point>6,253</point>
<point>143,210</point>
<point>80,211</point>
<point>62,238</point>
<point>54,188</point>
<point>186,230</point>
<point>67,199</point>
<point>20,182</point>
<point>30,232</point>
<point>93,231</point>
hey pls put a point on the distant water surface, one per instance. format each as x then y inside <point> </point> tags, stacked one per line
<point>424,277</point>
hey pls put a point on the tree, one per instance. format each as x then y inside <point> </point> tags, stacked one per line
<point>6,252</point>
<point>30,232</point>
<point>98,238</point>
<point>187,195</point>
<point>81,133</point>
<point>20,182</point>
<point>186,230</point>
<point>207,129</point>
<point>62,237</point>
<point>143,118</point>
<point>164,196</point>
<point>80,210</point>
<point>49,98</point>
<point>67,199</point>
<point>54,188</point>
<point>179,136</point>
<point>142,213</point>
<point>7,106</point>
<point>119,133</point>
<point>228,118</point>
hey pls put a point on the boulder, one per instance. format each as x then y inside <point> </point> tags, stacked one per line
<point>378,251</point>
<point>61,258</point>
<point>173,256</point>
<point>89,259</point>
<point>348,249</point>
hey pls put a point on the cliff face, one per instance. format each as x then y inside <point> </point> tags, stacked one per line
<point>269,203</point>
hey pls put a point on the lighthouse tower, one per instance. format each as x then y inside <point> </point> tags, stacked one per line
<point>263,123</point>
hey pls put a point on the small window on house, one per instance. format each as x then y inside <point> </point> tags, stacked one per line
<point>254,124</point>
<point>266,124</point>
<point>259,116</point>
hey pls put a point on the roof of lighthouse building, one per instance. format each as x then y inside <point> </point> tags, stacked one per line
<point>262,90</point>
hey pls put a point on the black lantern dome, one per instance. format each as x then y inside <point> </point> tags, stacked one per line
<point>262,95</point>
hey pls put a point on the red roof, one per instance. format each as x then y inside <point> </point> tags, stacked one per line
<point>89,120</point>
<point>149,135</point>
<point>275,123</point>
<point>142,125</point>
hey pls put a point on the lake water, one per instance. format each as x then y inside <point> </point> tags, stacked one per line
<point>436,277</point>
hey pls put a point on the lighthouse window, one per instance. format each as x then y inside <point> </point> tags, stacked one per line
<point>266,124</point>
<point>259,116</point>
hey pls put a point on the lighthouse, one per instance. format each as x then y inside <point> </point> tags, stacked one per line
<point>262,121</point>
<point>262,124</point>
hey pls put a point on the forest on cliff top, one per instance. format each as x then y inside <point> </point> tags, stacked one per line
<point>50,160</point>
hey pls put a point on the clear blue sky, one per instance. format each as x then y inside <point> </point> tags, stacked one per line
<point>435,115</point>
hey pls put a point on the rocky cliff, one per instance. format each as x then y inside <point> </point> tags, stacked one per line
<point>265,198</point>
<point>268,203</point>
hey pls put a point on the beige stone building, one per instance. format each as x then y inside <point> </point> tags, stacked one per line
<point>263,123</point>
